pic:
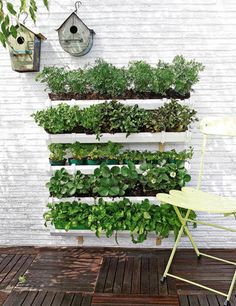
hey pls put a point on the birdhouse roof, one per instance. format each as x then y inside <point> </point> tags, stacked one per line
<point>73,14</point>
<point>39,35</point>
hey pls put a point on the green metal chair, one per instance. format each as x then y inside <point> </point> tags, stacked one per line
<point>195,199</point>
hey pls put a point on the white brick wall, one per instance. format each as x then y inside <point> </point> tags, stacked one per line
<point>125,30</point>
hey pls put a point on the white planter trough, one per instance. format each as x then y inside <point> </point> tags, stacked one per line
<point>121,239</point>
<point>92,200</point>
<point>162,137</point>
<point>149,104</point>
<point>86,169</point>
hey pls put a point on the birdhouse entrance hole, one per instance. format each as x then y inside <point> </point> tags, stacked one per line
<point>20,40</point>
<point>73,29</point>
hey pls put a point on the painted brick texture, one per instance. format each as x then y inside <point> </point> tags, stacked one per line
<point>125,30</point>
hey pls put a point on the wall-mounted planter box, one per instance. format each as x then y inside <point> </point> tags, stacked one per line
<point>172,94</point>
<point>83,169</point>
<point>142,103</point>
<point>163,137</point>
<point>91,200</point>
<point>117,239</point>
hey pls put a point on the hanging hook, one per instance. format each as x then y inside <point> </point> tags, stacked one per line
<point>26,16</point>
<point>77,5</point>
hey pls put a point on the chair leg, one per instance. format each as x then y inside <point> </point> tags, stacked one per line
<point>192,242</point>
<point>227,303</point>
<point>172,254</point>
<point>183,222</point>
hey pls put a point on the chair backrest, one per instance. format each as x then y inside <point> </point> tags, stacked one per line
<point>221,126</point>
<point>217,126</point>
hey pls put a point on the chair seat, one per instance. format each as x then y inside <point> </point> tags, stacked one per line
<point>194,199</point>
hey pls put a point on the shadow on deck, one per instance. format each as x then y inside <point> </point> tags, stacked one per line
<point>107,277</point>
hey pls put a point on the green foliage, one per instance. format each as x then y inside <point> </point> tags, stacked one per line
<point>9,16</point>
<point>186,74</point>
<point>164,177</point>
<point>172,116</point>
<point>57,151</point>
<point>106,79</point>
<point>78,151</point>
<point>62,184</point>
<point>140,76</point>
<point>55,78</point>
<point>110,82</point>
<point>110,217</point>
<point>120,181</point>
<point>115,117</point>
<point>63,118</point>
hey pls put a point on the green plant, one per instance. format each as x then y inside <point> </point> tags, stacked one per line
<point>106,79</point>
<point>110,217</point>
<point>55,78</point>
<point>10,14</point>
<point>115,117</point>
<point>62,184</point>
<point>165,177</point>
<point>92,119</point>
<point>186,73</point>
<point>78,150</point>
<point>140,76</point>
<point>70,215</point>
<point>172,116</point>
<point>111,150</point>
<point>107,182</point>
<point>57,151</point>
<point>163,78</point>
<point>60,119</point>
<point>76,81</point>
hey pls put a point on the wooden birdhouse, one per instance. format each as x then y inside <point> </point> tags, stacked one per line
<point>74,36</point>
<point>25,50</point>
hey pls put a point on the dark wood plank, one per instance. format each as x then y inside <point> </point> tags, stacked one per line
<point>203,300</point>
<point>87,300</point>
<point>134,299</point>
<point>163,290</point>
<point>111,275</point>
<point>22,270</point>
<point>14,270</point>
<point>48,298</point>
<point>212,300</point>
<point>127,282</point>
<point>193,300</point>
<point>58,299</point>
<point>39,298</point>
<point>145,285</point>
<point>29,298</point>
<point>77,299</point>
<point>136,279</point>
<point>16,298</point>
<point>183,300</point>
<point>102,276</point>
<point>153,276</point>
<point>4,263</point>
<point>68,298</point>
<point>117,288</point>
<point>8,269</point>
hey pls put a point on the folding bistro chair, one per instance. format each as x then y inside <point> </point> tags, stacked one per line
<point>195,199</point>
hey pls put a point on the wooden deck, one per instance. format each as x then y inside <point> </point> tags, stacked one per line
<point>107,277</point>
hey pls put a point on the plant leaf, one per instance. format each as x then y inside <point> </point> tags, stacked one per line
<point>10,8</point>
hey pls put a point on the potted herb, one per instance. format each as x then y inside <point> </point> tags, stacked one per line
<point>78,152</point>
<point>135,156</point>
<point>94,156</point>
<point>57,154</point>
<point>110,153</point>
<point>139,80</point>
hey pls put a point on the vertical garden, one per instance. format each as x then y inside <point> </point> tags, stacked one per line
<point>100,182</point>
